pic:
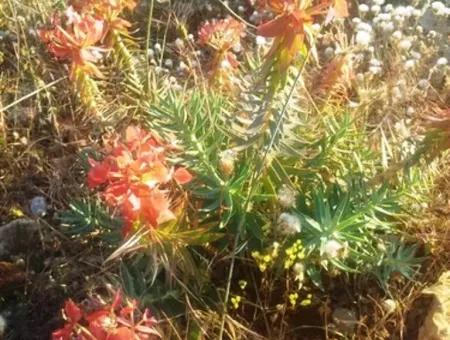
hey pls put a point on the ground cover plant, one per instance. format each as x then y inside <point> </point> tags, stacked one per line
<point>223,169</point>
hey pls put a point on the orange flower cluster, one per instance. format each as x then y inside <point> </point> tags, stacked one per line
<point>75,35</point>
<point>107,10</point>
<point>114,322</point>
<point>75,40</point>
<point>223,36</point>
<point>289,26</point>
<point>137,179</point>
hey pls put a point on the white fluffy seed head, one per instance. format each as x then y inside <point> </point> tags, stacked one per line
<point>289,224</point>
<point>299,271</point>
<point>332,248</point>
<point>287,197</point>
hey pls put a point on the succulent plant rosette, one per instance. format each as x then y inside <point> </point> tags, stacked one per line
<point>120,320</point>
<point>138,181</point>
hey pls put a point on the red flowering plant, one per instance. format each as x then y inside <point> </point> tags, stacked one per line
<point>137,179</point>
<point>74,37</point>
<point>121,320</point>
<point>224,38</point>
<point>109,12</point>
<point>116,35</point>
<point>289,28</point>
<point>80,35</point>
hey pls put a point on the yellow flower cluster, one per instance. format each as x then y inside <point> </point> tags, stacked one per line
<point>236,301</point>
<point>265,260</point>
<point>293,254</point>
<point>293,298</point>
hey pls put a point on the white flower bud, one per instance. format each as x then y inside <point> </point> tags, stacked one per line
<point>299,271</point>
<point>179,43</point>
<point>364,26</point>
<point>363,38</point>
<point>405,44</point>
<point>397,35</point>
<point>423,84</point>
<point>388,27</point>
<point>168,63</point>
<point>363,8</point>
<point>442,61</point>
<point>409,64</point>
<point>375,9</point>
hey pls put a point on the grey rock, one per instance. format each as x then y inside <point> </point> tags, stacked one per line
<point>17,236</point>
<point>345,319</point>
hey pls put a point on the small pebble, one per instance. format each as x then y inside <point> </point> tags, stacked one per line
<point>38,206</point>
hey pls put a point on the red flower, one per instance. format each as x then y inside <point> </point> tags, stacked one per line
<point>288,29</point>
<point>73,315</point>
<point>221,34</point>
<point>111,322</point>
<point>137,178</point>
<point>108,11</point>
<point>182,176</point>
<point>76,42</point>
